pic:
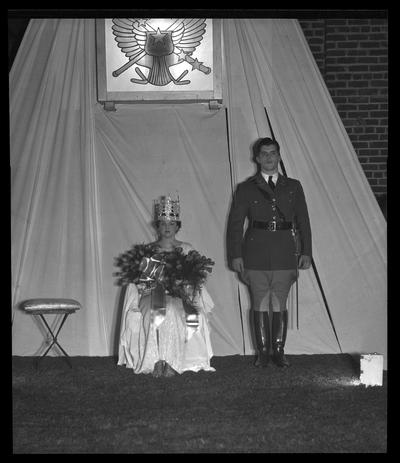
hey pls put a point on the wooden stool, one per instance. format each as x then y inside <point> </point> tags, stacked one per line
<point>44,307</point>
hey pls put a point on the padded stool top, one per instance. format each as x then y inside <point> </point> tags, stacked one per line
<point>53,305</point>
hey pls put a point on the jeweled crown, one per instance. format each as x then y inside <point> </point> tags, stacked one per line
<point>167,209</point>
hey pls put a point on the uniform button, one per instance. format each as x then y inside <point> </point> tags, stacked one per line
<point>274,217</point>
<point>273,199</point>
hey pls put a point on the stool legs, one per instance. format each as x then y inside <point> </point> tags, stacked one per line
<point>54,339</point>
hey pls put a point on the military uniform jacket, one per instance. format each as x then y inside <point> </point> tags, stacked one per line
<point>262,249</point>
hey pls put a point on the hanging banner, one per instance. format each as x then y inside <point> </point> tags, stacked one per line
<point>153,60</point>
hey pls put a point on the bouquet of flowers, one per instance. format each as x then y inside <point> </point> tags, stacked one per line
<point>185,274</point>
<point>181,275</point>
<point>131,263</point>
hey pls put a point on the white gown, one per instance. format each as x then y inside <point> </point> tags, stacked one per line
<point>147,337</point>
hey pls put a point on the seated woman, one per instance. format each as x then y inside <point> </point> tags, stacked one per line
<point>158,335</point>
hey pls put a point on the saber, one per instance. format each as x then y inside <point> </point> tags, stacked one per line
<point>297,292</point>
<point>296,254</point>
<point>128,64</point>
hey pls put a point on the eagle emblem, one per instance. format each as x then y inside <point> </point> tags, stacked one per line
<point>158,50</point>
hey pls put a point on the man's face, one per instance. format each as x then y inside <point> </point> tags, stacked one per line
<point>268,158</point>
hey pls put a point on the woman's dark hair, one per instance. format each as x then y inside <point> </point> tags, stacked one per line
<point>263,142</point>
<point>178,223</point>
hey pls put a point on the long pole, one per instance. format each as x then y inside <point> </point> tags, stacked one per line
<point>314,267</point>
<point>282,165</point>
<point>232,189</point>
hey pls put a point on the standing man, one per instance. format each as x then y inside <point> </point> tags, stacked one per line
<point>276,243</point>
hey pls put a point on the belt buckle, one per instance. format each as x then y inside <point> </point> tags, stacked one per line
<point>272,226</point>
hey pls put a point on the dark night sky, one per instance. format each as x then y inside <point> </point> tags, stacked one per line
<point>16,30</point>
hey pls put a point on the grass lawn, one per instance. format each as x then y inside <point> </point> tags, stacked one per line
<point>314,406</point>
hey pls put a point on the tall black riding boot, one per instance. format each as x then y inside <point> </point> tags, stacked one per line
<point>263,338</point>
<point>279,330</point>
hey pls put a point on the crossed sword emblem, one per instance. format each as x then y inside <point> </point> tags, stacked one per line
<point>195,63</point>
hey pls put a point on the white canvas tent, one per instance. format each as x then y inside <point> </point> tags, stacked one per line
<point>83,183</point>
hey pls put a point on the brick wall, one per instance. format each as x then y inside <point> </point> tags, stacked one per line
<point>352,55</point>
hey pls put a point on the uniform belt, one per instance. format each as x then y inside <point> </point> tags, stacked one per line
<point>273,225</point>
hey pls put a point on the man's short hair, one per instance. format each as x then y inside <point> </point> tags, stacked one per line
<point>263,142</point>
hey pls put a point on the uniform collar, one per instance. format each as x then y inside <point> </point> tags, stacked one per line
<point>259,178</point>
<point>274,176</point>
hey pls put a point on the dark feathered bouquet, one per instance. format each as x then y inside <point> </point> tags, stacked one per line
<point>185,270</point>
<point>130,263</point>
<point>181,275</point>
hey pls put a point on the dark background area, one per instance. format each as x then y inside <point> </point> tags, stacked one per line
<point>352,56</point>
<point>16,30</point>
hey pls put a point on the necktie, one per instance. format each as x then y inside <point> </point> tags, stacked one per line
<point>271,183</point>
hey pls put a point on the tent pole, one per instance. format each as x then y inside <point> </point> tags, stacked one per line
<point>282,166</point>
<point>314,267</point>
<point>232,190</point>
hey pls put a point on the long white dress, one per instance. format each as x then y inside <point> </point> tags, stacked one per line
<point>147,337</point>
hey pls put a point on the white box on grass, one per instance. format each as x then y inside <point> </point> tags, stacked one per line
<point>371,369</point>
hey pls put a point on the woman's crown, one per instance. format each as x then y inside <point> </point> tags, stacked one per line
<point>167,209</point>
